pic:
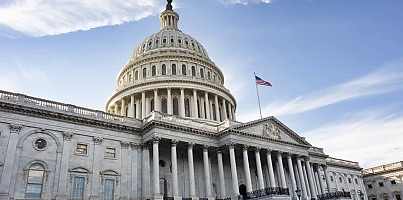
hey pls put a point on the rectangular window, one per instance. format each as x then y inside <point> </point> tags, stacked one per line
<point>393,182</point>
<point>380,184</point>
<point>369,186</point>
<point>34,184</point>
<point>78,188</point>
<point>398,197</point>
<point>109,189</point>
<point>81,149</point>
<point>356,181</point>
<point>349,180</point>
<point>110,153</point>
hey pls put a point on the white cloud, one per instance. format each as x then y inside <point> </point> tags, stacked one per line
<point>371,137</point>
<point>43,17</point>
<point>243,2</point>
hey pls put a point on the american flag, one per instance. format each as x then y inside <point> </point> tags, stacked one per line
<point>262,82</point>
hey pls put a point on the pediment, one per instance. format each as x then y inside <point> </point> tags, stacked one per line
<point>273,128</point>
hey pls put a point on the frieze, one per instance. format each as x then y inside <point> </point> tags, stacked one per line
<point>270,130</point>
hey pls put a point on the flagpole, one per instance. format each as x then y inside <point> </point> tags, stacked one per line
<point>258,99</point>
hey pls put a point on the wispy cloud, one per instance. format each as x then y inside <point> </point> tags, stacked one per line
<point>243,2</point>
<point>387,79</point>
<point>17,80</point>
<point>43,17</point>
<point>371,137</point>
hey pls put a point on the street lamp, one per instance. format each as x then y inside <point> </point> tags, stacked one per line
<point>298,191</point>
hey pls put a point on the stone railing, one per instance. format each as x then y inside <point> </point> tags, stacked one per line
<point>342,162</point>
<point>383,168</point>
<point>334,195</point>
<point>265,192</point>
<point>54,106</point>
<point>227,198</point>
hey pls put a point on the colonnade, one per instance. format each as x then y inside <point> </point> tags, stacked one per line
<point>302,174</point>
<point>182,102</point>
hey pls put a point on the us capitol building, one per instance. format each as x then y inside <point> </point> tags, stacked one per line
<point>169,132</point>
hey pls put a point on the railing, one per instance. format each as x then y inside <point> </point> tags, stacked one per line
<point>334,195</point>
<point>227,198</point>
<point>168,198</point>
<point>265,192</point>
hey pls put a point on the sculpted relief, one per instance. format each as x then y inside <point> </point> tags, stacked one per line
<point>270,130</point>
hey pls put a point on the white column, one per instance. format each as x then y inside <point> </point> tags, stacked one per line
<point>230,111</point>
<point>148,106</point>
<point>96,180</point>
<point>191,171</point>
<point>246,168</point>
<point>195,110</point>
<point>122,108</point>
<point>221,173</point>
<point>270,166</point>
<point>156,169</point>
<point>217,108</point>
<point>292,176</point>
<point>175,191</point>
<point>259,168</point>
<point>8,167</point>
<point>125,169</point>
<point>169,101</point>
<point>143,105</point>
<point>224,110</point>
<point>64,166</point>
<point>207,171</point>
<point>131,114</point>
<point>319,178</point>
<point>234,174</point>
<point>116,109</point>
<point>134,165</point>
<point>329,189</point>
<point>156,101</point>
<point>208,116</point>
<point>280,165</point>
<point>302,179</point>
<point>308,189</point>
<point>145,175</point>
<point>203,114</point>
<point>182,103</point>
<point>138,108</point>
<point>310,179</point>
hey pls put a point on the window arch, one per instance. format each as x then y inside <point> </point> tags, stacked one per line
<point>153,70</point>
<point>144,72</point>
<point>164,69</point>
<point>208,75</point>
<point>175,106</point>
<point>193,71</point>
<point>136,75</point>
<point>201,73</point>
<point>164,106</point>
<point>183,69</point>
<point>36,173</point>
<point>173,69</point>
<point>187,107</point>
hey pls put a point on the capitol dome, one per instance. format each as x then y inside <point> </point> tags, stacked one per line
<point>171,73</point>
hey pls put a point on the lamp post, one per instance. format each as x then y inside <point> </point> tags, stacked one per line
<point>298,191</point>
<point>361,195</point>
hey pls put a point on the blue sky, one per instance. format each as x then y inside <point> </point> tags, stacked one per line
<point>336,66</point>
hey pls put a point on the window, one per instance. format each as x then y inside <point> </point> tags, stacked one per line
<point>369,186</point>
<point>109,189</point>
<point>349,180</point>
<point>164,40</point>
<point>175,106</point>
<point>193,71</point>
<point>183,69</point>
<point>393,182</point>
<point>78,188</point>
<point>356,181</point>
<point>164,69</point>
<point>201,73</point>
<point>340,180</point>
<point>208,75</point>
<point>397,197</point>
<point>187,107</point>
<point>164,105</point>
<point>110,153</point>
<point>173,69</point>
<point>144,72</point>
<point>81,149</point>
<point>153,71</point>
<point>136,75</point>
<point>152,105</point>
<point>35,181</point>
<point>40,144</point>
<point>381,184</point>
<point>214,114</point>
<point>331,178</point>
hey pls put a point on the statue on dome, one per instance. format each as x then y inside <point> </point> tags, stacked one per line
<point>169,5</point>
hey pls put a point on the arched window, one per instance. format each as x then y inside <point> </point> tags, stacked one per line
<point>193,71</point>
<point>127,111</point>
<point>164,69</point>
<point>214,78</point>
<point>134,110</point>
<point>153,70</point>
<point>130,77</point>
<point>175,106</point>
<point>36,173</point>
<point>144,72</point>
<point>152,104</point>
<point>198,109</point>
<point>214,113</point>
<point>201,73</point>
<point>208,75</point>
<point>187,107</point>
<point>136,75</point>
<point>173,69</point>
<point>164,105</point>
<point>183,69</point>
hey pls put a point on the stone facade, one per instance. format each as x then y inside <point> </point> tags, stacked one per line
<point>169,132</point>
